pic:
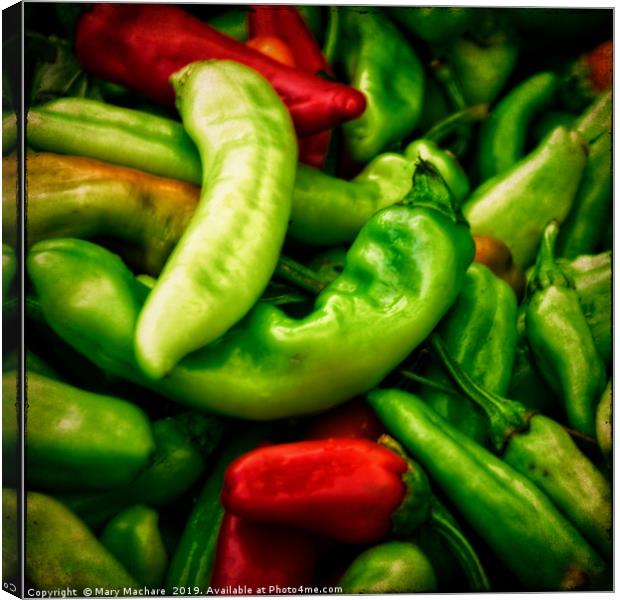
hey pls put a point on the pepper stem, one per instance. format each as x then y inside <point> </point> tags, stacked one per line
<point>294,272</point>
<point>506,417</point>
<point>441,130</point>
<point>547,272</point>
<point>444,523</point>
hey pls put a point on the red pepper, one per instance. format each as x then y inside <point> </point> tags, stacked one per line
<point>349,490</point>
<point>354,419</point>
<point>141,45</point>
<point>250,556</point>
<point>286,23</point>
<point>600,62</point>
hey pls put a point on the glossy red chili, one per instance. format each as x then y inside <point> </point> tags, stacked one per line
<point>343,489</point>
<point>141,45</point>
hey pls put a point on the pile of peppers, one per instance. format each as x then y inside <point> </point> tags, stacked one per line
<point>316,299</point>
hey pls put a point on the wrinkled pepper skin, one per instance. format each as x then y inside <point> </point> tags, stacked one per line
<point>141,46</point>
<point>80,197</point>
<point>248,154</point>
<point>433,24</point>
<point>182,445</point>
<point>515,518</point>
<point>516,205</point>
<point>114,134</point>
<point>583,230</point>
<point>379,62</point>
<point>480,333</point>
<point>77,440</point>
<point>503,135</point>
<point>390,568</point>
<point>191,565</point>
<point>343,489</point>
<point>271,365</point>
<point>561,339</point>
<point>133,537</point>
<point>62,551</point>
<point>253,556</point>
<point>327,210</point>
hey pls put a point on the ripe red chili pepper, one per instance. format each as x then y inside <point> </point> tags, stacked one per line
<point>354,419</point>
<point>251,556</point>
<point>141,45</point>
<point>349,490</point>
<point>285,23</point>
<point>600,61</point>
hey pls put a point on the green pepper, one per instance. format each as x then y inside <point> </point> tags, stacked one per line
<point>561,339</point>
<point>233,22</point>
<point>265,367</point>
<point>248,152</point>
<point>133,537</point>
<point>390,568</point>
<point>604,422</point>
<point>583,229</point>
<point>516,205</point>
<point>502,136</point>
<point>77,440</point>
<point>515,518</point>
<point>182,445</point>
<point>481,334</point>
<point>61,551</point>
<point>433,24</point>
<point>484,58</point>
<point>192,563</point>
<point>378,61</point>
<point>542,450</point>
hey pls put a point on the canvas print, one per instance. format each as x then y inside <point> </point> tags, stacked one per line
<point>306,299</point>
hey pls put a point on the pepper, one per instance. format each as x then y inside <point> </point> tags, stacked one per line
<point>183,443</point>
<point>287,24</point>
<point>542,450</point>
<point>267,366</point>
<point>351,420</point>
<point>133,537</point>
<point>239,225</point>
<point>77,440</point>
<point>350,490</point>
<point>481,334</point>
<point>494,254</point>
<point>549,120</point>
<point>141,46</point>
<point>604,422</point>
<point>233,23</point>
<point>191,565</point>
<point>378,61</point>
<point>515,518</point>
<point>433,24</point>
<point>390,568</point>
<point>62,552</point>
<point>502,136</point>
<point>252,556</point>
<point>583,230</point>
<point>516,205</point>
<point>561,339</point>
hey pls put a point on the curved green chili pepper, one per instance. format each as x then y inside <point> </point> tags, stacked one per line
<point>433,24</point>
<point>114,134</point>
<point>390,568</point>
<point>379,62</point>
<point>561,339</point>
<point>584,227</point>
<point>516,205</point>
<point>503,134</point>
<point>248,152</point>
<point>481,334</point>
<point>544,452</point>
<point>271,365</point>
<point>78,440</point>
<point>63,552</point>
<point>182,445</point>
<point>497,501</point>
<point>133,537</point>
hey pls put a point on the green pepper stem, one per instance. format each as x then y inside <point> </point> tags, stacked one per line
<point>442,129</point>
<point>294,272</point>
<point>428,382</point>
<point>506,417</point>
<point>445,525</point>
<point>332,35</point>
<point>547,272</point>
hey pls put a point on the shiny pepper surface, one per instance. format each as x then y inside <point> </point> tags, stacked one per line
<point>343,489</point>
<point>401,275</point>
<point>248,152</point>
